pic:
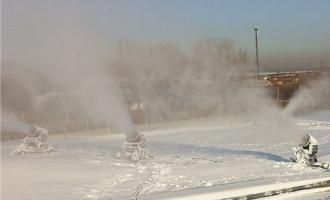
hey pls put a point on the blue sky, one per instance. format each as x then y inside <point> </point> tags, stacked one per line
<point>292,32</point>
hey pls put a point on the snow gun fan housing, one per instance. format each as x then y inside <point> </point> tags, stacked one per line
<point>310,144</point>
<point>306,152</point>
<point>133,148</point>
<point>35,141</point>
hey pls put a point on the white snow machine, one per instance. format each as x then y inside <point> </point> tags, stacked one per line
<point>35,141</point>
<point>133,148</point>
<point>305,153</point>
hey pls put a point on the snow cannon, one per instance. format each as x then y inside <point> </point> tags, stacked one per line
<point>133,148</point>
<point>306,153</point>
<point>35,141</point>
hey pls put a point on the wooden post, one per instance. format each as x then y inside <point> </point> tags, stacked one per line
<point>87,127</point>
<point>108,128</point>
<point>162,122</point>
<point>146,123</point>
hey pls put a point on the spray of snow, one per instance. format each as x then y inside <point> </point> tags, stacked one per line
<point>202,80</point>
<point>314,96</point>
<point>205,78</point>
<point>66,55</point>
<point>11,124</point>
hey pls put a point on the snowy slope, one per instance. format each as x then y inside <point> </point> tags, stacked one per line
<point>184,158</point>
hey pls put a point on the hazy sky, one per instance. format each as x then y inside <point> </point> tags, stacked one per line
<point>292,32</point>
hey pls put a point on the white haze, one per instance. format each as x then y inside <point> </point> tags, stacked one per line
<point>204,80</point>
<point>68,54</point>
<point>61,45</point>
<point>314,96</point>
<point>11,124</point>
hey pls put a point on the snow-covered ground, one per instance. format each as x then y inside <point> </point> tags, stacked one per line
<point>232,153</point>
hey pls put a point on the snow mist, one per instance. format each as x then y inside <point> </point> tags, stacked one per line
<point>11,124</point>
<point>314,96</point>
<point>71,72</point>
<point>206,79</point>
<point>62,64</point>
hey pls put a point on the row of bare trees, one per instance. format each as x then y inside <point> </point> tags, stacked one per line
<point>171,81</point>
<point>179,82</point>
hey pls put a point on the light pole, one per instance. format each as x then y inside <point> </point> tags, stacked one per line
<point>256,28</point>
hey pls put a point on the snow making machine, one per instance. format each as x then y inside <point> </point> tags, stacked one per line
<point>133,148</point>
<point>35,141</point>
<point>306,153</point>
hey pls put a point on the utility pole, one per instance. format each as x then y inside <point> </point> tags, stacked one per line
<point>256,28</point>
